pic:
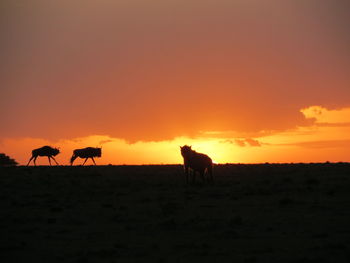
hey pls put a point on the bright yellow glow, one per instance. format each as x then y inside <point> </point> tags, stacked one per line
<point>315,143</point>
<point>116,151</point>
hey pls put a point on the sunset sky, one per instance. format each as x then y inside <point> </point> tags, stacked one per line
<point>245,81</point>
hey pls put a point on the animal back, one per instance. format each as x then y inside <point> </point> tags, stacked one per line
<point>86,152</point>
<point>199,161</point>
<point>43,151</point>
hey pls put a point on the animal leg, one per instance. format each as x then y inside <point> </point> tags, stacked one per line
<point>54,160</point>
<point>210,172</point>
<point>48,157</point>
<point>85,161</point>
<point>92,158</point>
<point>193,176</point>
<point>72,159</point>
<point>30,159</point>
<point>35,160</point>
<point>186,174</point>
<point>202,175</point>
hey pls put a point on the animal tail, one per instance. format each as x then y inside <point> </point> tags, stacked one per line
<point>73,158</point>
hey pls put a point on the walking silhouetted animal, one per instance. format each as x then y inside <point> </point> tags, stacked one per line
<point>197,162</point>
<point>44,151</point>
<point>86,153</point>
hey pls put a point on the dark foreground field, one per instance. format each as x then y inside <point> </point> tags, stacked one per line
<point>253,213</point>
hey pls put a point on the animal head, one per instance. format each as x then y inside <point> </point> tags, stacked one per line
<point>55,151</point>
<point>99,152</point>
<point>186,150</point>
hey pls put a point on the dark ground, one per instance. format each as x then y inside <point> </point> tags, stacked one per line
<point>252,213</point>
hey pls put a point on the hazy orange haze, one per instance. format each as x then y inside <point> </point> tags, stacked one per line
<point>245,81</point>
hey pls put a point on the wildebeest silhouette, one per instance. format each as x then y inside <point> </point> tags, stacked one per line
<point>197,162</point>
<point>88,152</point>
<point>44,151</point>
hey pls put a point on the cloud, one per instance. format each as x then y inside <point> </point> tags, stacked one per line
<point>326,117</point>
<point>253,143</point>
<point>243,142</point>
<point>105,141</point>
<point>240,143</point>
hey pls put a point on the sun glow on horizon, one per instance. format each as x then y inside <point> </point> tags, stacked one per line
<point>118,151</point>
<point>327,139</point>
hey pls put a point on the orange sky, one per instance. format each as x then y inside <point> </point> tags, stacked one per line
<point>244,81</point>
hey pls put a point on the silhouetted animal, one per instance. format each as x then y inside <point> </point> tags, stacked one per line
<point>86,153</point>
<point>44,151</point>
<point>197,162</point>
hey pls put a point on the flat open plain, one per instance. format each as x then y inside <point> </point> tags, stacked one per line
<point>252,213</point>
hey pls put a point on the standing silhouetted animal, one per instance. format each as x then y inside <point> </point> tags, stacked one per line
<point>86,153</point>
<point>197,162</point>
<point>44,151</point>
